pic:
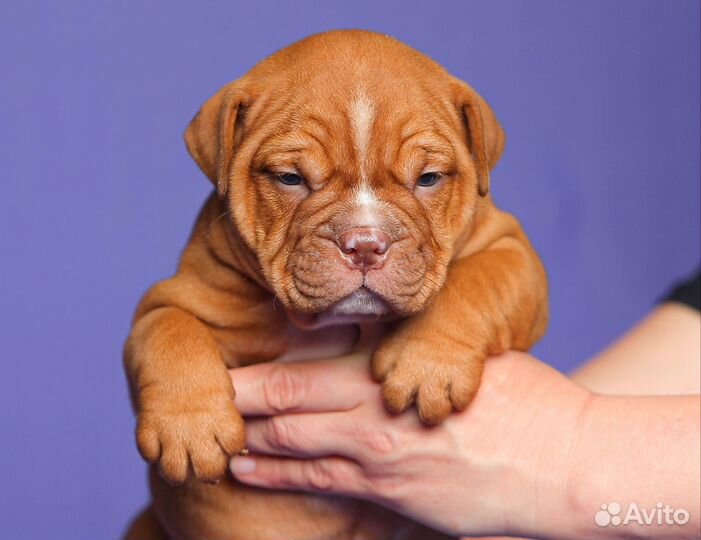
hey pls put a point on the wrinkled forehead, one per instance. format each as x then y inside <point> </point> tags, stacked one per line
<point>357,125</point>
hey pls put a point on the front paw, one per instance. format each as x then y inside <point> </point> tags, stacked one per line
<point>431,375</point>
<point>199,432</point>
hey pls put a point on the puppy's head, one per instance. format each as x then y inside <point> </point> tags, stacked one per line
<point>351,166</point>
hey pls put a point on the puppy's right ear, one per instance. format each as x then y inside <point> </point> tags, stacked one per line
<point>211,135</point>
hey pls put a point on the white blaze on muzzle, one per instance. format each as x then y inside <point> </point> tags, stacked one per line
<point>366,207</point>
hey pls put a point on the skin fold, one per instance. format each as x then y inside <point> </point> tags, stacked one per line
<point>352,199</point>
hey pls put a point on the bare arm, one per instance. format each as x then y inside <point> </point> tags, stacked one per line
<point>641,451</point>
<point>660,355</point>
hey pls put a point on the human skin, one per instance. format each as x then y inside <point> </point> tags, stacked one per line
<point>658,356</point>
<point>534,455</point>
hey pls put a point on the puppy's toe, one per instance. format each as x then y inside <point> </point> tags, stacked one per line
<point>433,403</point>
<point>148,443</point>
<point>173,464</point>
<point>231,434</point>
<point>383,361</point>
<point>462,391</point>
<point>209,462</point>
<point>398,392</point>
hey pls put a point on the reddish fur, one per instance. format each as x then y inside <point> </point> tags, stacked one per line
<point>463,277</point>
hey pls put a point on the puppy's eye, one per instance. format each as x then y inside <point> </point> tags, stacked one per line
<point>428,179</point>
<point>290,179</point>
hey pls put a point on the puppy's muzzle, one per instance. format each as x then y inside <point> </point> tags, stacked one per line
<point>364,248</point>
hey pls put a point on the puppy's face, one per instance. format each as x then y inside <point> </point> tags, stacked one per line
<point>352,167</point>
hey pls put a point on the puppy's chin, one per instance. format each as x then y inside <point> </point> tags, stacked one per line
<point>362,301</point>
<point>361,306</point>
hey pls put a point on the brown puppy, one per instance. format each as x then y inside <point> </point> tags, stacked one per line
<point>352,178</point>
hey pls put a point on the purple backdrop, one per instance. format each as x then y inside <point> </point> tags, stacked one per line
<point>599,99</point>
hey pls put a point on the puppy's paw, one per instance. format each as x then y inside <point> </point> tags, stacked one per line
<point>197,433</point>
<point>432,376</point>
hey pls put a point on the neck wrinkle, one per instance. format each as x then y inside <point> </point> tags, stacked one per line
<point>245,260</point>
<point>237,255</point>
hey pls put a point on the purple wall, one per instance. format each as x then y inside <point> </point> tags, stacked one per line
<point>599,99</point>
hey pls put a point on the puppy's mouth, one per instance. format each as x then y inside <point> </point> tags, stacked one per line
<point>360,306</point>
<point>361,302</point>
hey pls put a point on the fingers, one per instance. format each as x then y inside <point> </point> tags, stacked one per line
<point>329,385</point>
<point>303,435</point>
<point>325,475</point>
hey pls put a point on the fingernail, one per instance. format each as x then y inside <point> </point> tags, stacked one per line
<point>242,465</point>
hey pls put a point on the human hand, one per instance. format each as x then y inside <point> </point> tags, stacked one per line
<point>492,469</point>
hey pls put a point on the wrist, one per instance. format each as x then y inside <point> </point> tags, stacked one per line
<point>534,412</point>
<point>565,509</point>
<point>632,453</point>
<point>548,498</point>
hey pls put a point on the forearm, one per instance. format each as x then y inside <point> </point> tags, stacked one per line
<point>164,346</point>
<point>638,452</point>
<point>659,356</point>
<point>499,274</point>
<point>494,300</point>
<point>183,396</point>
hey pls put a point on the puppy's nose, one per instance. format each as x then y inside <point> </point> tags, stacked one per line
<point>364,247</point>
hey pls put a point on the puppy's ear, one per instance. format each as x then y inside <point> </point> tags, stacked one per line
<point>485,136</point>
<point>211,135</point>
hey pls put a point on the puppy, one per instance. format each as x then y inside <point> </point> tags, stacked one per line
<point>352,180</point>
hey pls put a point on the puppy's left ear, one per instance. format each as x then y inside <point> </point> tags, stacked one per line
<point>485,136</point>
<point>211,135</point>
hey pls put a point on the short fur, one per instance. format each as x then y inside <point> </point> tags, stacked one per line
<point>262,271</point>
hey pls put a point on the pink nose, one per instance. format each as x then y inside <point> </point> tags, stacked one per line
<point>364,247</point>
